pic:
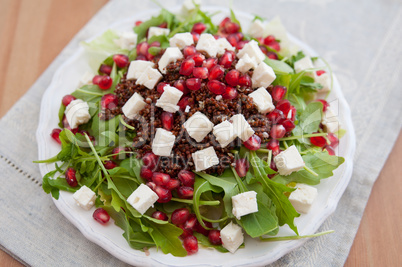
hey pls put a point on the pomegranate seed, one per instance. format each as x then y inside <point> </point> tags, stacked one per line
<point>240,35</point>
<point>141,57</point>
<point>277,131</point>
<point>160,179</point>
<point>283,105</point>
<point>318,141</point>
<point>172,184</point>
<point>180,216</point>
<point>67,100</point>
<point>163,25</point>
<point>232,27</point>
<point>189,51</point>
<point>184,102</point>
<point>226,60</point>
<point>71,178</point>
<point>181,85</point>
<point>214,237</point>
<point>333,139</point>
<point>199,27</point>
<point>187,178</point>
<point>275,45</point>
<point>191,223</point>
<point>216,87</point>
<point>264,49</point>
<point>210,63</point>
<point>272,55</point>
<point>198,59</point>
<point>190,243</point>
<point>186,232</point>
<point>138,23</point>
<point>142,48</point>
<point>96,79</point>
<point>273,165</point>
<point>155,44</point>
<point>164,194</point>
<point>230,93</point>
<point>150,57</point>
<point>330,150</point>
<point>269,39</point>
<point>118,150</point>
<point>109,101</point>
<point>101,216</point>
<point>185,192</point>
<point>273,144</point>
<point>196,37</point>
<point>200,72</point>
<point>121,60</point>
<point>320,72</point>
<point>216,73</point>
<point>160,87</point>
<point>167,120</point>
<point>109,164</point>
<point>276,116</point>
<point>105,83</point>
<point>106,69</point>
<point>289,125</point>
<point>187,67</point>
<point>253,143</point>
<point>202,230</point>
<point>150,160</point>
<point>159,215</point>
<point>193,84</point>
<point>233,39</point>
<point>223,22</point>
<point>241,44</point>
<point>56,135</point>
<point>245,80</point>
<point>232,77</point>
<point>146,173</point>
<point>151,185</point>
<point>292,113</point>
<point>242,167</point>
<point>278,92</point>
<point>325,104</point>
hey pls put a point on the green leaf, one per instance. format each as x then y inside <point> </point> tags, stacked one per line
<point>279,67</point>
<point>164,16</point>
<point>282,79</point>
<point>297,101</point>
<point>294,86</point>
<point>53,186</point>
<point>61,115</point>
<point>291,61</point>
<point>310,118</point>
<point>204,241</point>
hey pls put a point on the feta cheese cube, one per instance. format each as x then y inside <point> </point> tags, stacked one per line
<point>171,54</point>
<point>263,100</point>
<point>330,121</point>
<point>85,197</point>
<point>263,76</point>
<point>133,106</point>
<point>127,40</point>
<point>181,40</point>
<point>252,50</point>
<point>303,197</point>
<point>304,64</point>
<point>232,237</point>
<point>77,113</point>
<point>198,126</point>
<point>86,78</point>
<point>224,133</point>
<point>137,68</point>
<point>241,127</point>
<point>244,203</point>
<point>256,29</point>
<point>246,63</point>
<point>169,99</point>
<point>156,31</point>
<point>207,43</point>
<point>149,78</point>
<point>163,142</point>
<point>142,198</point>
<point>325,80</point>
<point>223,45</point>
<point>289,161</point>
<point>205,158</point>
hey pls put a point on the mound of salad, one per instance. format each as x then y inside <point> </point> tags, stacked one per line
<point>190,134</point>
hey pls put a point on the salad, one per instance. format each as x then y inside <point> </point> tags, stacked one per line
<point>193,134</point>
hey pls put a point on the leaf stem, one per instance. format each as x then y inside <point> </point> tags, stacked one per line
<point>89,92</point>
<point>215,221</point>
<point>202,202</point>
<point>286,238</point>
<point>97,156</point>
<point>301,136</point>
<point>310,171</point>
<point>125,124</point>
<point>242,187</point>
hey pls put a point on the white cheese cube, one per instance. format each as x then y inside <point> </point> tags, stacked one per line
<point>256,29</point>
<point>137,68</point>
<point>149,78</point>
<point>156,31</point>
<point>263,76</point>
<point>241,127</point>
<point>171,54</point>
<point>303,197</point>
<point>77,113</point>
<point>142,198</point>
<point>169,99</point>
<point>252,50</point>
<point>263,100</point>
<point>223,45</point>
<point>246,63</point>
<point>133,106</point>
<point>232,237</point>
<point>224,133</point>
<point>85,197</point>
<point>304,64</point>
<point>181,40</point>
<point>244,203</point>
<point>289,161</point>
<point>325,80</point>
<point>205,158</point>
<point>207,43</point>
<point>126,40</point>
<point>163,142</point>
<point>198,126</point>
<point>86,78</point>
<point>330,121</point>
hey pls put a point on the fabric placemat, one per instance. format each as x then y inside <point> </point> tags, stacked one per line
<point>360,39</point>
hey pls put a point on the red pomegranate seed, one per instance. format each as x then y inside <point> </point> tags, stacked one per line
<point>198,59</point>
<point>191,223</point>
<point>269,39</point>
<point>167,120</point>
<point>138,23</point>
<point>105,82</point>
<point>233,39</point>
<point>223,22</point>
<point>163,25</point>
<point>277,131</point>
<point>56,135</point>
<point>67,100</point>
<point>272,55</point>
<point>160,87</point>
<point>142,48</point>
<point>214,237</point>
<point>210,63</point>
<point>151,185</point>
<point>121,60</point>
<point>232,77</point>
<point>179,216</point>
<point>202,230</point>
<point>289,125</point>
<point>264,49</point>
<point>196,37</point>
<point>189,51</point>
<point>155,44</point>
<point>141,57</point>
<point>150,57</point>
<point>193,84</point>
<point>318,141</point>
<point>253,143</point>
<point>190,244</point>
<point>333,139</point>
<point>185,192</point>
<point>278,92</point>
<point>241,44</point>
<point>101,216</point>
<point>216,73</point>
<point>71,178</point>
<point>242,167</point>
<point>292,113</point>
<point>226,60</point>
<point>187,178</point>
<point>159,215</point>
<point>276,116</point>
<point>230,93</point>
<point>216,87</point>
<point>275,45</point>
<point>245,80</point>
<point>330,150</point>
<point>172,184</point>
<point>325,104</point>
<point>274,146</point>
<point>109,164</point>
<point>320,72</point>
<point>199,27</point>
<point>232,27</point>
<point>181,85</point>
<point>187,67</point>
<point>96,79</point>
<point>186,232</point>
<point>118,150</point>
<point>109,101</point>
<point>164,194</point>
<point>184,102</point>
<point>150,160</point>
<point>200,72</point>
<point>283,105</point>
<point>273,165</point>
<point>160,179</point>
<point>106,69</point>
<point>240,35</point>
<point>146,173</point>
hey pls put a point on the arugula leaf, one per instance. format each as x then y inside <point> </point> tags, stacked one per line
<point>282,79</point>
<point>297,101</point>
<point>310,118</point>
<point>279,67</point>
<point>204,241</point>
<point>53,186</point>
<point>291,61</point>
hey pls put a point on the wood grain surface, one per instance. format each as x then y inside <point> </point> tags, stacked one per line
<point>32,34</point>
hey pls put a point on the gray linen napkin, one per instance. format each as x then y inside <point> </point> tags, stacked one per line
<point>361,41</point>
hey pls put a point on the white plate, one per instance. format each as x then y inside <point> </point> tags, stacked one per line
<point>110,237</point>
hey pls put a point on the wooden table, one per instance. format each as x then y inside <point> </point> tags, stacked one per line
<point>32,34</point>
